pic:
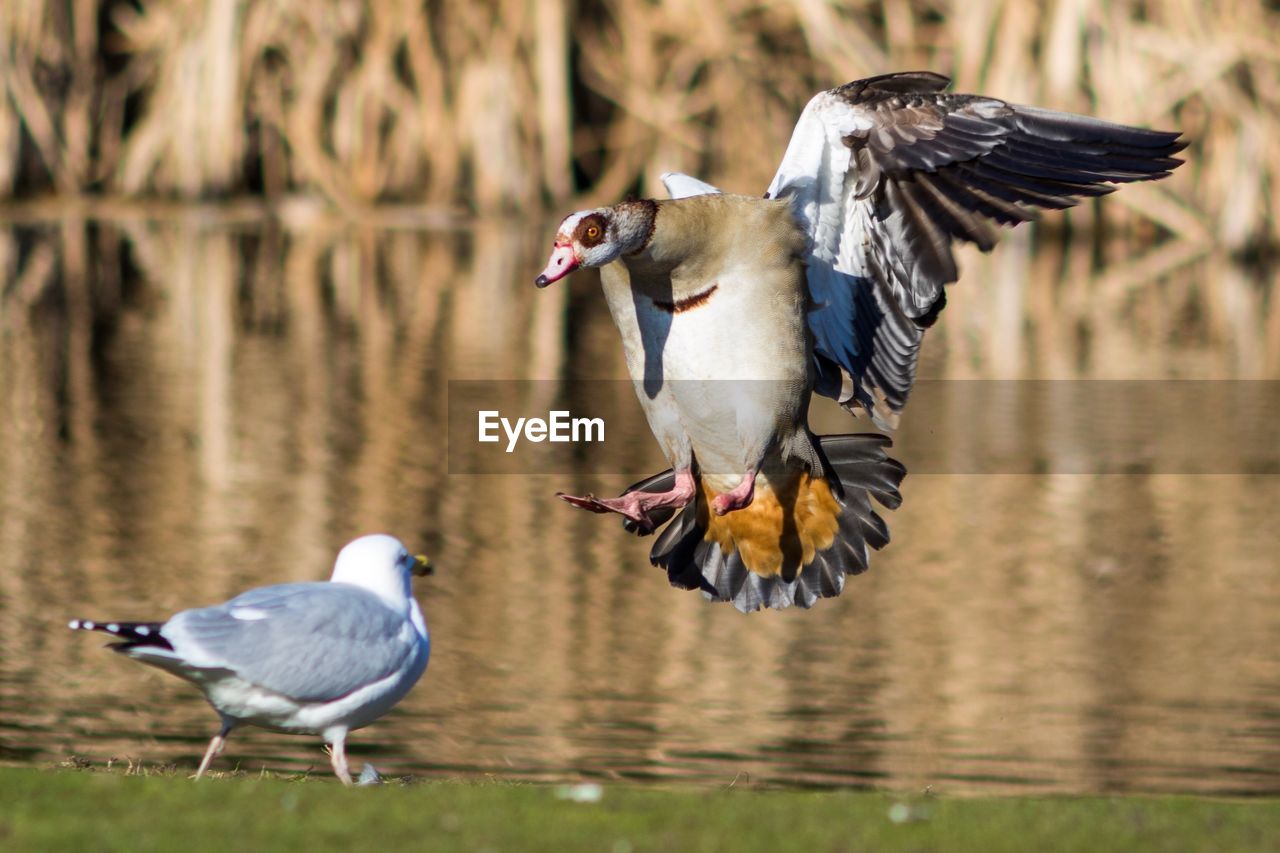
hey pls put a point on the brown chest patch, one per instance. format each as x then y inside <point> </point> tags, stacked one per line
<point>679,306</point>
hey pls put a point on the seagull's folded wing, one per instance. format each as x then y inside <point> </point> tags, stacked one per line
<point>885,173</point>
<point>311,642</point>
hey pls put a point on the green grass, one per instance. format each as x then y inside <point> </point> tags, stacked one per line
<point>77,809</point>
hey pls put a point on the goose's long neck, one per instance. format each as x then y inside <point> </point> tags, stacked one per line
<point>675,236</point>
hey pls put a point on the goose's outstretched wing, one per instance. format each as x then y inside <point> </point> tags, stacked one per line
<point>885,173</point>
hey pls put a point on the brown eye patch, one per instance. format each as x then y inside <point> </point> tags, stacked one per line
<point>590,231</point>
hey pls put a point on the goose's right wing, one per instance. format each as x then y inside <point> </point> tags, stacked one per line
<point>886,173</point>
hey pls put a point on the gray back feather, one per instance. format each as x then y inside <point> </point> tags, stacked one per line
<point>312,642</point>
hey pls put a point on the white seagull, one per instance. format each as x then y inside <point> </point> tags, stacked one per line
<point>306,658</point>
<point>734,310</point>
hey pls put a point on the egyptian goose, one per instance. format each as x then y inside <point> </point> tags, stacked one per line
<point>733,310</point>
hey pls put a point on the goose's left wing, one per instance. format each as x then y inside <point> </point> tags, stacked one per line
<point>680,185</point>
<point>885,173</point>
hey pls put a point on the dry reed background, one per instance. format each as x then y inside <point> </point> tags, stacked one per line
<point>169,343</point>
<point>511,105</point>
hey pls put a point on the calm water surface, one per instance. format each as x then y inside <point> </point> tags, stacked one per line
<point>191,408</point>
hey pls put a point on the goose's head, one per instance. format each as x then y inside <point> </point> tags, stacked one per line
<point>593,238</point>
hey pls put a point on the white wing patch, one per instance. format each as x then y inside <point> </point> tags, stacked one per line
<point>814,169</point>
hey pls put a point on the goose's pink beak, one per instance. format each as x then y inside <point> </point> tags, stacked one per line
<point>562,262</point>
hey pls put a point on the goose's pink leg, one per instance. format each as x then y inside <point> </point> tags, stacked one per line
<point>738,498</point>
<point>638,505</point>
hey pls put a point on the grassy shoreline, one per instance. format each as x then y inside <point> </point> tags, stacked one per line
<point>66,809</point>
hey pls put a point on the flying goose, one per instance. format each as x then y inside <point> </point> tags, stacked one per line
<point>311,658</point>
<point>733,310</point>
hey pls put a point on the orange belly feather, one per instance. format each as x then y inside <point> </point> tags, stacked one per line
<point>785,525</point>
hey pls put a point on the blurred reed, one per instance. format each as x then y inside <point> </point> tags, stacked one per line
<point>506,105</point>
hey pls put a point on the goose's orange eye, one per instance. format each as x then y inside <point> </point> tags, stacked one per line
<point>593,232</point>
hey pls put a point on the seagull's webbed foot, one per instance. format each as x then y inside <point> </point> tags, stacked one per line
<point>740,496</point>
<point>639,505</point>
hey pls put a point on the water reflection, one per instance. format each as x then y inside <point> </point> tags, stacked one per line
<point>199,406</point>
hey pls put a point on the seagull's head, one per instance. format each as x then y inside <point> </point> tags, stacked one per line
<point>381,564</point>
<point>593,238</point>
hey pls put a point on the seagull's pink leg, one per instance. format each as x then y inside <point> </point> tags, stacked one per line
<point>215,747</point>
<point>739,497</point>
<point>338,758</point>
<point>637,505</point>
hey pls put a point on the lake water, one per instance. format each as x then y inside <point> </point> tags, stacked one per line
<point>201,405</point>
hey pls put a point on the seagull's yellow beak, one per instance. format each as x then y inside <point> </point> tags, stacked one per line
<point>422,566</point>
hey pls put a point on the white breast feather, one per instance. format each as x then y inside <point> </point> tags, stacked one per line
<point>732,367</point>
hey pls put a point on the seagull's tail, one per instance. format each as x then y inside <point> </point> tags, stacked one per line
<point>134,634</point>
<point>795,542</point>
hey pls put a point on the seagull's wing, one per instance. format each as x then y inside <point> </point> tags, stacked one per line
<point>680,185</point>
<point>885,173</point>
<point>311,642</point>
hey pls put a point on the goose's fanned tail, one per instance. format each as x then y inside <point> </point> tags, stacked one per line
<point>796,543</point>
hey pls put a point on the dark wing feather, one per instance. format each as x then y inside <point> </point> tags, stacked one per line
<point>887,173</point>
